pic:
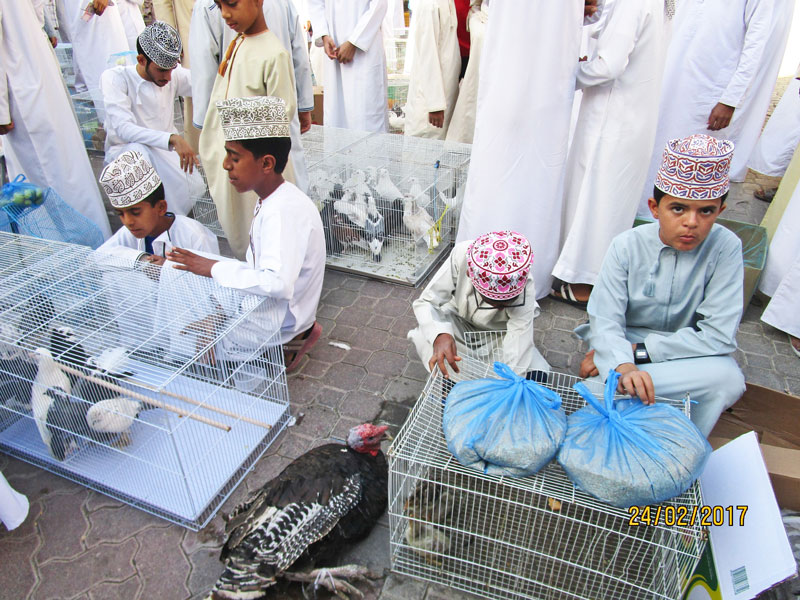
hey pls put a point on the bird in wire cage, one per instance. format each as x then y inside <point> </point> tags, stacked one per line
<point>49,384</point>
<point>328,498</point>
<point>386,188</point>
<point>429,510</point>
<point>17,369</point>
<point>419,223</point>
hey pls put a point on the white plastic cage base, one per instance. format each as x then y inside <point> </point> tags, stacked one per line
<point>523,538</point>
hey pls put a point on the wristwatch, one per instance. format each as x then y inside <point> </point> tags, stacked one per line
<point>640,355</point>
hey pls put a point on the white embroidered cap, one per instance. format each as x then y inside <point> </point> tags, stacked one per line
<point>161,43</point>
<point>253,118</point>
<point>129,179</point>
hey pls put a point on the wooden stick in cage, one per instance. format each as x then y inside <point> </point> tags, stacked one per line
<point>131,394</point>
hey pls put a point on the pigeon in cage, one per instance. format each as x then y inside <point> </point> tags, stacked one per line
<point>430,510</point>
<point>357,178</point>
<point>67,423</point>
<point>419,223</point>
<point>321,503</point>
<point>49,377</point>
<point>415,191</point>
<point>115,416</point>
<point>386,189</point>
<point>397,118</point>
<point>17,370</point>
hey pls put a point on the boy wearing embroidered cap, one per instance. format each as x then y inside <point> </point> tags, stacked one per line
<point>484,285</point>
<point>140,102</point>
<point>286,252</point>
<point>668,300</point>
<point>137,194</point>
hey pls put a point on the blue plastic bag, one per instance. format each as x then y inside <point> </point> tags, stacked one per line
<point>21,194</point>
<point>626,453</point>
<point>507,426</point>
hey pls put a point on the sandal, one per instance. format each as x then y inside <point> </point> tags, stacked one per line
<point>564,294</point>
<point>795,349</point>
<point>301,347</point>
<point>765,195</point>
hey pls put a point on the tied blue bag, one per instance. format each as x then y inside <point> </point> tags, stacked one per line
<point>626,453</point>
<point>508,426</point>
<point>20,194</point>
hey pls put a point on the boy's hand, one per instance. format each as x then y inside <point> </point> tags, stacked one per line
<point>436,118</point>
<point>7,128</point>
<point>589,7</point>
<point>189,261</point>
<point>305,121</point>
<point>720,116</point>
<point>100,6</point>
<point>346,52</point>
<point>330,48</point>
<point>588,368</point>
<point>188,158</point>
<point>636,383</point>
<point>444,349</point>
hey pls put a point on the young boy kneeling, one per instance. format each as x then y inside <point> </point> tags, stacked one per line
<point>484,286</point>
<point>150,231</point>
<point>286,254</point>
<point>668,300</point>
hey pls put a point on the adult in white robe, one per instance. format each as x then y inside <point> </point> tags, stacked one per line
<point>462,124</point>
<point>33,97</point>
<point>13,505</point>
<point>433,82</point>
<point>781,277</point>
<point>609,156</point>
<point>140,117</point>
<point>209,40</point>
<point>713,58</point>
<point>781,135</point>
<point>355,92</point>
<point>93,42</point>
<point>131,13</point>
<point>520,149</point>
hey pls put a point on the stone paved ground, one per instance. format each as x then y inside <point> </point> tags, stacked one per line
<point>78,544</point>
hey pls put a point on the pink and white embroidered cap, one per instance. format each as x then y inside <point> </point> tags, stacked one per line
<point>695,167</point>
<point>498,264</point>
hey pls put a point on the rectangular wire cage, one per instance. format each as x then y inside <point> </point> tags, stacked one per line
<point>536,537</point>
<point>397,94</point>
<point>64,55</point>
<point>395,44</point>
<point>320,142</point>
<point>205,211</point>
<point>390,204</point>
<point>148,384</point>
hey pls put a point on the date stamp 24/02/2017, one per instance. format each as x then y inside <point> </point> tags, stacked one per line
<point>686,516</point>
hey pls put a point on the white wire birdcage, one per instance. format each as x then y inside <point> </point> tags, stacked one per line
<point>390,203</point>
<point>397,94</point>
<point>396,50</point>
<point>526,538</point>
<point>205,211</point>
<point>320,142</point>
<point>64,54</point>
<point>184,392</point>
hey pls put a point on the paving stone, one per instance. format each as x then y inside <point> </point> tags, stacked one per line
<point>562,309</point>
<point>441,592</point>
<point>344,333</point>
<point>560,361</point>
<point>302,389</point>
<point>333,279</point>
<point>377,289</point>
<point>749,342</point>
<point>357,357</point>
<point>317,422</point>
<point>751,327</point>
<point>391,307</point>
<point>104,563</point>
<point>329,397</point>
<point>398,344</point>
<point>376,383</point>
<point>361,406</point>
<point>355,316</point>
<point>205,570</point>
<point>404,391</point>
<point>564,323</point>
<point>213,534</point>
<point>381,322</point>
<point>353,283</point>
<point>315,368</point>
<point>345,377</point>
<point>762,377</point>
<point>386,363</point>
<point>793,386</point>
<point>403,325</point>
<point>784,348</point>
<point>343,427</point>
<point>118,523</point>
<point>293,446</point>
<point>340,297</point>
<point>328,311</point>
<point>416,370</point>
<point>371,339</point>
<point>787,365</point>
<point>327,353</point>
<point>62,526</point>
<point>41,485</point>
<point>96,501</point>
<point>130,588</point>
<point>160,553</point>
<point>394,414</point>
<point>17,575</point>
<point>562,341</point>
<point>372,552</point>
<point>757,360</point>
<point>265,470</point>
<point>398,587</point>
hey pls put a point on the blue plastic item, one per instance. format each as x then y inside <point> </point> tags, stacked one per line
<point>507,426</point>
<point>626,453</point>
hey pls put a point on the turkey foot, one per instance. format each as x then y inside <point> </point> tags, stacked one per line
<point>333,579</point>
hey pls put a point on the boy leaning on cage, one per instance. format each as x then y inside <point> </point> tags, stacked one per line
<point>481,302</point>
<point>286,255</point>
<point>668,301</point>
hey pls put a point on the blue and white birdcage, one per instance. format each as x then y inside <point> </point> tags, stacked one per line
<point>151,385</point>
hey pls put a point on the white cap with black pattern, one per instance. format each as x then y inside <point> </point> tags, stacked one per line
<point>161,43</point>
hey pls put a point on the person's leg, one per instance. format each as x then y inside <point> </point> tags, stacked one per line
<point>714,384</point>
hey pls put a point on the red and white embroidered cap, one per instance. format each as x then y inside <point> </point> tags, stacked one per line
<point>695,167</point>
<point>498,264</point>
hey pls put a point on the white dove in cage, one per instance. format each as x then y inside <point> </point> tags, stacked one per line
<point>354,207</point>
<point>357,177</point>
<point>115,415</point>
<point>49,377</point>
<point>16,369</point>
<point>320,187</point>
<point>372,176</point>
<point>415,191</point>
<point>419,223</point>
<point>386,188</point>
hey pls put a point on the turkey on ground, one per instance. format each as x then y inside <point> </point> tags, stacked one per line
<point>327,499</point>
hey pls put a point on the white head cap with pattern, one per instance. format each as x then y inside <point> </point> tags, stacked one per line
<point>129,179</point>
<point>161,43</point>
<point>253,118</point>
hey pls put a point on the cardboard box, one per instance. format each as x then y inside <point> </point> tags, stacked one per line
<point>775,417</point>
<point>317,116</point>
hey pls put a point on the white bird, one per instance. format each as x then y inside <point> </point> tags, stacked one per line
<point>386,188</point>
<point>357,177</point>
<point>397,118</point>
<point>48,376</point>
<point>450,203</point>
<point>354,207</point>
<point>115,415</point>
<point>421,199</point>
<point>372,176</point>
<point>419,223</point>
<point>110,362</point>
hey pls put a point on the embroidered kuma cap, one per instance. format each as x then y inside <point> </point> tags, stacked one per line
<point>695,167</point>
<point>253,118</point>
<point>498,264</point>
<point>129,179</point>
<point>161,43</point>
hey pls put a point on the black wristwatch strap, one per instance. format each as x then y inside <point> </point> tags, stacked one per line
<point>640,355</point>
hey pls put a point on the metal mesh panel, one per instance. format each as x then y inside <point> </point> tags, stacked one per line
<point>390,204</point>
<point>205,211</point>
<point>533,537</point>
<point>397,93</point>
<point>64,55</point>
<point>320,142</point>
<point>163,388</point>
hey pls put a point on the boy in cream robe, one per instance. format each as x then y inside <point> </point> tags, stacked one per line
<point>255,64</point>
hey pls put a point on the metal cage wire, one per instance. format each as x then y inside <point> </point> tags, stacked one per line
<point>534,537</point>
<point>184,391</point>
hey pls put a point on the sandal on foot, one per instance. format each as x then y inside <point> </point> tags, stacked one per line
<point>794,348</point>
<point>564,294</point>
<point>302,346</point>
<point>765,195</point>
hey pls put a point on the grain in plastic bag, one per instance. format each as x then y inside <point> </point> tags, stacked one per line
<point>506,426</point>
<point>626,453</point>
